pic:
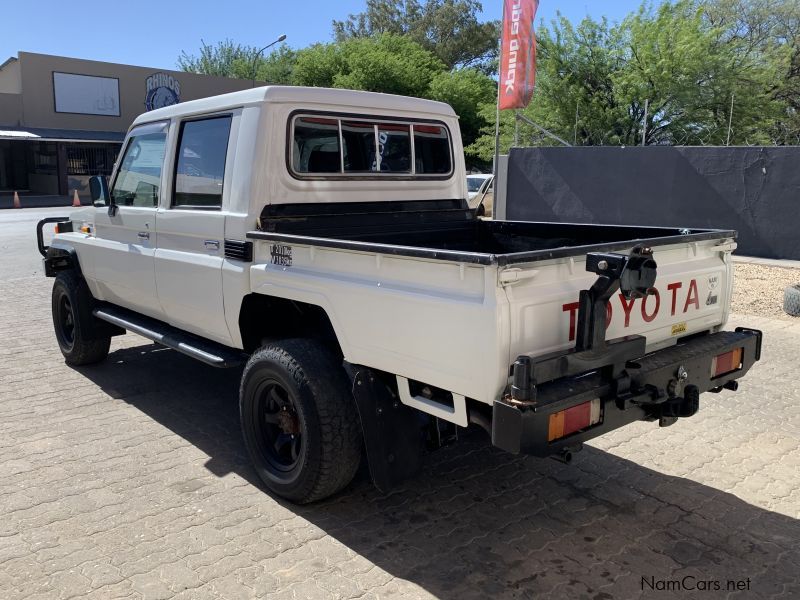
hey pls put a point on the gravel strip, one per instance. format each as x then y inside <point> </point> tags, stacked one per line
<point>758,289</point>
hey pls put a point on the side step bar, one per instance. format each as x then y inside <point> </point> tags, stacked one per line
<point>206,351</point>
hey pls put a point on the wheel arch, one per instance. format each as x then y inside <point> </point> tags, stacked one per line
<point>61,257</point>
<point>263,317</point>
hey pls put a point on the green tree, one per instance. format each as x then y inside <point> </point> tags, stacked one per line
<point>229,59</point>
<point>689,72</point>
<point>451,29</point>
<point>688,60</point>
<point>466,90</point>
<point>386,63</point>
<point>766,33</point>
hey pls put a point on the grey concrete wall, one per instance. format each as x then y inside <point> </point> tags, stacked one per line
<point>755,190</point>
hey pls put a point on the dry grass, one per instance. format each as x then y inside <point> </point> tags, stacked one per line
<point>758,289</point>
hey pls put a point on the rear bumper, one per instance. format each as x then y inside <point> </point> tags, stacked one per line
<point>664,386</point>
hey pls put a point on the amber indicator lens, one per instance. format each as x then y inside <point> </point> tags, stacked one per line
<point>727,362</point>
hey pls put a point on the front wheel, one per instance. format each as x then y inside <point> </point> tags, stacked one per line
<point>72,315</point>
<point>299,420</point>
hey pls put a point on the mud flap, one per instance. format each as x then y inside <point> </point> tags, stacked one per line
<point>393,433</point>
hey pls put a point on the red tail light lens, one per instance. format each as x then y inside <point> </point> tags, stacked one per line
<point>728,362</point>
<point>573,419</point>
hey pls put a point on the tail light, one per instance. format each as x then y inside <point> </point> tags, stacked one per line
<point>55,229</point>
<point>728,362</point>
<point>573,419</point>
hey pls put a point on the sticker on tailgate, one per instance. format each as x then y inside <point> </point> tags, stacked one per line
<point>679,328</point>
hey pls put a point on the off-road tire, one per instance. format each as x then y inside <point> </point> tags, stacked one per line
<point>791,300</point>
<point>314,383</point>
<point>78,345</point>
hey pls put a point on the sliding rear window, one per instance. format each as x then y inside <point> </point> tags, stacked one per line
<point>348,146</point>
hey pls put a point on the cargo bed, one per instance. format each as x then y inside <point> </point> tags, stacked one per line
<point>449,230</point>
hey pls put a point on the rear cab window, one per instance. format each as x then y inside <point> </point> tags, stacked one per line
<point>342,146</point>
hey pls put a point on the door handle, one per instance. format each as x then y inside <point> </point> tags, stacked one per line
<point>144,235</point>
<point>211,244</point>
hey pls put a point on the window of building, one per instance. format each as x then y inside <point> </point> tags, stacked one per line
<point>200,168</point>
<point>372,147</point>
<point>138,179</point>
<point>91,159</point>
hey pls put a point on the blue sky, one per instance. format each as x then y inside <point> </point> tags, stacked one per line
<point>153,33</point>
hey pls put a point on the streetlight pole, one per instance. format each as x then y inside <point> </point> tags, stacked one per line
<point>258,54</point>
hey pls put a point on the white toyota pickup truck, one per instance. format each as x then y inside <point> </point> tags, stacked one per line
<point>322,238</point>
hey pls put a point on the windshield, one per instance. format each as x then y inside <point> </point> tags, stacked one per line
<point>474,183</point>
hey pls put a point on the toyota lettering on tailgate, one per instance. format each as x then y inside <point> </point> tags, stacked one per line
<point>678,299</point>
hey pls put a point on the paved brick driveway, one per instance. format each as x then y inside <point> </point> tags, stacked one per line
<point>130,480</point>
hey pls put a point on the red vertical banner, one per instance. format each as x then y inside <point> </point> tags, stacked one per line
<point>518,53</point>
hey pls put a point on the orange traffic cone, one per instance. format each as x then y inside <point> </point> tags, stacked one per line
<point>75,200</point>
<point>16,201</point>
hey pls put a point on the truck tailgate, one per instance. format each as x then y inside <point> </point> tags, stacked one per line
<point>692,294</point>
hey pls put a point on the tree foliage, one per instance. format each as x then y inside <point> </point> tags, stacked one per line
<point>702,66</point>
<point>450,29</point>
<point>229,59</point>
<point>386,63</point>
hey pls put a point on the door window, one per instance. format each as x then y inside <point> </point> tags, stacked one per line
<point>200,169</point>
<point>138,180</point>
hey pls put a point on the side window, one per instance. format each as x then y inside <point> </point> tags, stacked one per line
<point>394,147</point>
<point>138,179</point>
<point>359,147</point>
<point>200,165</point>
<point>432,149</point>
<point>316,145</point>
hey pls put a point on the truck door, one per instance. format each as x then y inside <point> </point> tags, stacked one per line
<point>191,229</point>
<point>126,240</point>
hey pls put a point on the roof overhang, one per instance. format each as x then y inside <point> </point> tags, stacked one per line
<point>37,134</point>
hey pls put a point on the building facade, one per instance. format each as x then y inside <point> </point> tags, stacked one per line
<point>63,120</point>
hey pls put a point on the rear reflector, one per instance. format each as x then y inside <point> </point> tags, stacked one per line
<point>573,419</point>
<point>728,362</point>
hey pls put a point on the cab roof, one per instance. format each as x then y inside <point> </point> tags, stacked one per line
<point>280,94</point>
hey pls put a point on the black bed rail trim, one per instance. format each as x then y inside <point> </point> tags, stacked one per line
<point>492,259</point>
<point>413,251</point>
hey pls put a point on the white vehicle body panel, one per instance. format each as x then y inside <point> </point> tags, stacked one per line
<point>458,327</point>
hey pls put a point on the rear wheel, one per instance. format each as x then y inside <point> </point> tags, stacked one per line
<point>299,420</point>
<point>71,306</point>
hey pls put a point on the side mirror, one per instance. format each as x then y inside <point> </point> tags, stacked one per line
<point>98,187</point>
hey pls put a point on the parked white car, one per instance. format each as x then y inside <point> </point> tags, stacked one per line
<point>322,238</point>
<point>476,184</point>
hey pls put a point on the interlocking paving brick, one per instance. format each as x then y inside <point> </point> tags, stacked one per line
<point>129,480</point>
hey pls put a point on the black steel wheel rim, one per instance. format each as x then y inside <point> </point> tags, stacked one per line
<point>278,426</point>
<point>66,319</point>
